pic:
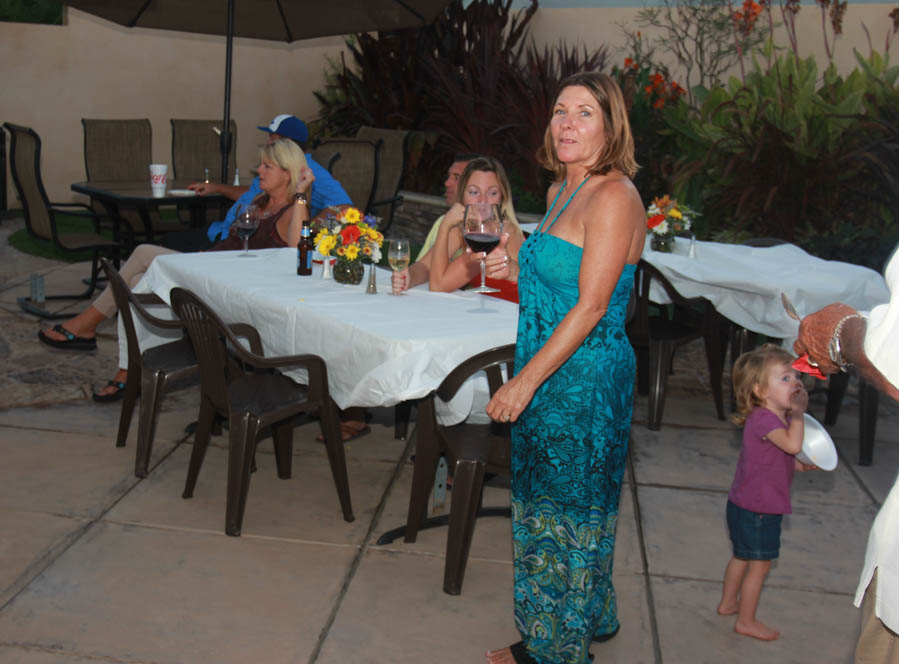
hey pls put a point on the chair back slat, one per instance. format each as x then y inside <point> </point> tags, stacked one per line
<point>25,167</point>
<point>207,334</point>
<point>117,150</point>
<point>356,169</point>
<point>196,147</point>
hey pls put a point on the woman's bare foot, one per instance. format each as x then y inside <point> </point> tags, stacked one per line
<point>120,377</point>
<point>756,630</point>
<point>727,608</point>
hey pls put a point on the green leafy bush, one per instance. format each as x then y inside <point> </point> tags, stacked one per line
<point>793,156</point>
<point>470,82</point>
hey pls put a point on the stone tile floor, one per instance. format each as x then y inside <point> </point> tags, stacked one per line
<point>99,566</point>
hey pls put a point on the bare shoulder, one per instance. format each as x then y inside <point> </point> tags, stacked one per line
<point>615,198</point>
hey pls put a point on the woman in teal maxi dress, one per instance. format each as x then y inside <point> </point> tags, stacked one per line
<point>569,441</point>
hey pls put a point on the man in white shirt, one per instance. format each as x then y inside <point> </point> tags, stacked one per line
<point>835,337</point>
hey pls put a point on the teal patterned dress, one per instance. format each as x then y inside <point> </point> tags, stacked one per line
<point>568,457</point>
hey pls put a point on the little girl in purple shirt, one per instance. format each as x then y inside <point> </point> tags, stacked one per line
<point>770,403</point>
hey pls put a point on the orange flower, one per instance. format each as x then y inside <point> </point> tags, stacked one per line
<point>628,63</point>
<point>658,103</point>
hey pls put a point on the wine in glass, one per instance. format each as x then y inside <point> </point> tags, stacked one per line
<point>246,224</point>
<point>398,255</point>
<point>482,228</point>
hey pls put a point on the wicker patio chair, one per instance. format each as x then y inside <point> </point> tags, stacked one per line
<point>41,216</point>
<point>356,169</point>
<point>121,151</point>
<point>391,164</point>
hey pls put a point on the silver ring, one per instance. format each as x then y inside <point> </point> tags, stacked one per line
<point>507,418</point>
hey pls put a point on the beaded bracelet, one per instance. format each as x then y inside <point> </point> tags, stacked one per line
<point>833,348</point>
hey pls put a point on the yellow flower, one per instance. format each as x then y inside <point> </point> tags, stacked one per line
<point>341,251</point>
<point>352,215</point>
<point>326,245</point>
<point>352,252</point>
<point>367,250</point>
<point>674,212</point>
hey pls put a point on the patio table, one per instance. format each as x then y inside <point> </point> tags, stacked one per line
<point>745,283</point>
<point>380,349</point>
<point>138,195</point>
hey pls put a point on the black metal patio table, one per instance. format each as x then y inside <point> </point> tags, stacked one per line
<point>116,196</point>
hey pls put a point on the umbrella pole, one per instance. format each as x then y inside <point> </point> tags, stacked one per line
<point>226,138</point>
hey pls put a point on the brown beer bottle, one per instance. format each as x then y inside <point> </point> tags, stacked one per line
<point>304,251</point>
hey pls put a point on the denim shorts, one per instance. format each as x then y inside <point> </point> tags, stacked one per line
<point>754,536</point>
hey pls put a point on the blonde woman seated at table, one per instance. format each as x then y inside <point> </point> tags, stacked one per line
<point>449,265</point>
<point>285,180</point>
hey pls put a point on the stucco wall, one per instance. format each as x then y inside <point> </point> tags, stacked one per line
<point>55,75</point>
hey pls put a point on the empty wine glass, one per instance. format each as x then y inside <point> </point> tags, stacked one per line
<point>246,223</point>
<point>398,255</point>
<point>482,228</point>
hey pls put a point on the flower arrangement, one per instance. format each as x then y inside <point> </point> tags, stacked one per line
<point>665,218</point>
<point>352,238</point>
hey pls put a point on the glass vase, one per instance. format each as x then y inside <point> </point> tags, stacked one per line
<point>663,243</point>
<point>348,272</point>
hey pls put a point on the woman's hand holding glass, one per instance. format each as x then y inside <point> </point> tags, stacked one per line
<point>398,255</point>
<point>246,223</point>
<point>482,229</point>
<point>498,262</point>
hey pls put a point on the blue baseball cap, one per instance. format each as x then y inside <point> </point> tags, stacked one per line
<point>288,126</point>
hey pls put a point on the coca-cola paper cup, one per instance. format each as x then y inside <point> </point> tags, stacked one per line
<point>158,179</point>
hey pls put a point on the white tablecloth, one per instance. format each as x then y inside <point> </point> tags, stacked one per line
<point>744,283</point>
<point>380,349</point>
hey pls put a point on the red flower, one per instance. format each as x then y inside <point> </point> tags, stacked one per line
<point>658,103</point>
<point>628,63</point>
<point>350,233</point>
<point>655,220</point>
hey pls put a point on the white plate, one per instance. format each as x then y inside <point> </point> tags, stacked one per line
<point>182,192</point>
<point>817,446</point>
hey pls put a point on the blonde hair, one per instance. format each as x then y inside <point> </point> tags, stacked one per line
<point>286,155</point>
<point>484,164</point>
<point>751,370</point>
<point>618,149</point>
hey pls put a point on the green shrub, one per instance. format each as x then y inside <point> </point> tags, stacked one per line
<point>792,156</point>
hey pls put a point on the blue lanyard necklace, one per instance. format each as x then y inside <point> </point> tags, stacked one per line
<point>552,207</point>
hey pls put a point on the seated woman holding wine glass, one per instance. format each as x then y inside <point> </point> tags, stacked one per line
<point>451,265</point>
<point>273,220</point>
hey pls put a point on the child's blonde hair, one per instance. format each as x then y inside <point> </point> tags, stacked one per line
<point>751,369</point>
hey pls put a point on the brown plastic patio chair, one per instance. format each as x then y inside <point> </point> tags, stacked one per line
<point>471,451</point>
<point>149,372</point>
<point>356,169</point>
<point>391,164</point>
<point>41,216</point>
<point>251,401</point>
<point>657,330</point>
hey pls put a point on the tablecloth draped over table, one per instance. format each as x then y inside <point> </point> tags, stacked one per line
<point>380,349</point>
<point>745,283</point>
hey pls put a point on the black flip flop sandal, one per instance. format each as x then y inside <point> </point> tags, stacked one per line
<point>602,638</point>
<point>71,341</point>
<point>112,396</point>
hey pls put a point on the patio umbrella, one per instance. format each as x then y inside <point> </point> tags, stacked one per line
<point>276,20</point>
